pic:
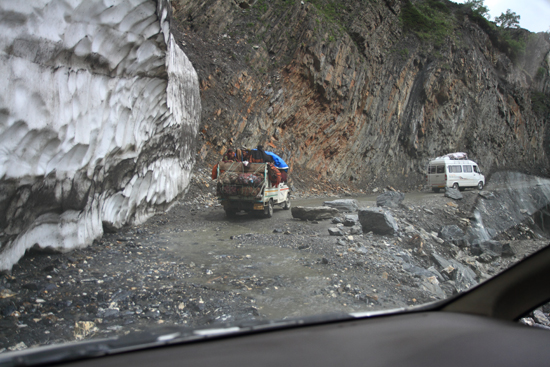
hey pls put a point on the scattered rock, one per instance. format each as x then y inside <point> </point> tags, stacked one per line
<point>378,221</point>
<point>462,243</point>
<point>7,293</point>
<point>453,193</point>
<point>313,213</point>
<point>350,220</point>
<point>541,318</point>
<point>486,257</point>
<point>82,329</point>
<point>492,247</point>
<point>334,231</point>
<point>464,277</point>
<point>487,195</point>
<point>507,250</point>
<point>391,199</point>
<point>431,284</point>
<point>450,233</point>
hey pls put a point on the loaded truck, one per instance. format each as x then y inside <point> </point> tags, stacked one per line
<point>252,187</point>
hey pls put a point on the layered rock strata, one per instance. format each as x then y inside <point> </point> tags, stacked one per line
<point>347,92</point>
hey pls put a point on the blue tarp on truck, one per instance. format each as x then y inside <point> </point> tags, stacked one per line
<point>278,161</point>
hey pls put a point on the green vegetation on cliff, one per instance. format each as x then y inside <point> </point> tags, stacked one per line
<point>430,20</point>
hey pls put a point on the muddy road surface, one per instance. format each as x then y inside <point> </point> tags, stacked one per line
<point>194,267</point>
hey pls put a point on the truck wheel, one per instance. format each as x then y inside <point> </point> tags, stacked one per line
<point>480,185</point>
<point>268,210</point>
<point>455,186</point>
<point>286,206</point>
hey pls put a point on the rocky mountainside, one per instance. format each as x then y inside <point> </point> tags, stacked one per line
<point>363,93</point>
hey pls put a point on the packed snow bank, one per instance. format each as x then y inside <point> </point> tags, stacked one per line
<point>99,110</point>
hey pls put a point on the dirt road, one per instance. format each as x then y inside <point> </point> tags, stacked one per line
<point>193,266</point>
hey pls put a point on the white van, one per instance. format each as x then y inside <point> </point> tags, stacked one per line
<point>454,170</point>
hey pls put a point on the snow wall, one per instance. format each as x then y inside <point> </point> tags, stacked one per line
<point>99,110</point>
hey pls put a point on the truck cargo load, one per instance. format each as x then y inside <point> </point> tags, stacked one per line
<point>252,187</point>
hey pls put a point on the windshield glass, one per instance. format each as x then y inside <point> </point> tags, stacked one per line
<point>208,166</point>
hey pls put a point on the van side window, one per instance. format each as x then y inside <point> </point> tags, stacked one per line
<point>467,168</point>
<point>476,169</point>
<point>455,169</point>
<point>440,169</point>
<point>432,169</point>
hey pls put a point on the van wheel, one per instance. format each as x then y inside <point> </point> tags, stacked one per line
<point>455,186</point>
<point>286,205</point>
<point>480,185</point>
<point>268,210</point>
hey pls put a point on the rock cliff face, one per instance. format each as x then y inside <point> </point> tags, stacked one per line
<point>99,111</point>
<point>355,92</point>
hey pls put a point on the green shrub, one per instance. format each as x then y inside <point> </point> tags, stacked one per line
<point>429,20</point>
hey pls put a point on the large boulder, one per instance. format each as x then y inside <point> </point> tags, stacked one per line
<point>453,193</point>
<point>390,199</point>
<point>100,110</point>
<point>378,221</point>
<point>313,212</point>
<point>343,205</point>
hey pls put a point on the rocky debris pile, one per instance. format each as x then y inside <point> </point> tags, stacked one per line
<point>455,253</point>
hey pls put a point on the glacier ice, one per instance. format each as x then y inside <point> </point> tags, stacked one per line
<point>99,110</point>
